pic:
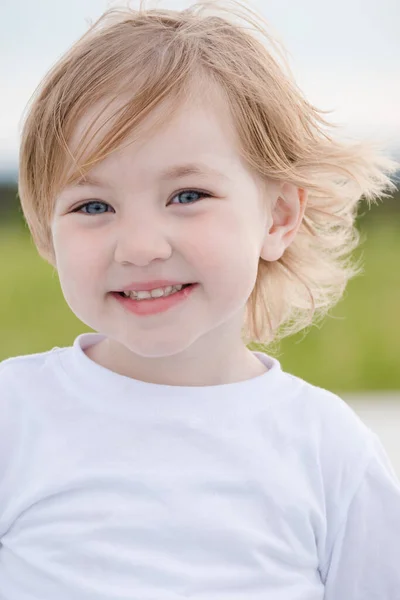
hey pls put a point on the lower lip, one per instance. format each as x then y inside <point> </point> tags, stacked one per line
<point>155,305</point>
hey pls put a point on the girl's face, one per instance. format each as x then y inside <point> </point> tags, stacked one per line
<point>141,225</point>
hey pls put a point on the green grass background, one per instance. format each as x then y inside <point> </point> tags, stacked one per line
<point>356,348</point>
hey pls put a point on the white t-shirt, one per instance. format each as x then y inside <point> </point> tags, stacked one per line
<point>117,489</point>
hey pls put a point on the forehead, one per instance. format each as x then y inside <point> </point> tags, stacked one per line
<point>200,126</point>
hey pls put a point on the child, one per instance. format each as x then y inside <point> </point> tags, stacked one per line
<point>160,458</point>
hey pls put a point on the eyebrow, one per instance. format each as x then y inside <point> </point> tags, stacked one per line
<point>175,172</point>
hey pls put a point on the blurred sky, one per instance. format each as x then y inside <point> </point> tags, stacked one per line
<point>345,55</point>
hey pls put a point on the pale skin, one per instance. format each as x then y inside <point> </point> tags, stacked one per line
<point>145,231</point>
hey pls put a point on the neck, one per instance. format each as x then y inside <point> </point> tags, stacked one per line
<point>222,365</point>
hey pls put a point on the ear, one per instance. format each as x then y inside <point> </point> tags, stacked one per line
<point>287,213</point>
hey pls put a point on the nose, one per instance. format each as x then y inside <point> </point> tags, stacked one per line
<point>141,242</point>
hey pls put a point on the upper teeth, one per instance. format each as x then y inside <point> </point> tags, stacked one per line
<point>137,295</point>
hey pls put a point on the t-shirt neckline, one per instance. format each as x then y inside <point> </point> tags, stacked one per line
<point>94,379</point>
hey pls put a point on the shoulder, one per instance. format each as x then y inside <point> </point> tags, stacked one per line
<point>315,419</point>
<point>336,420</point>
<point>28,383</point>
<point>344,445</point>
<point>17,387</point>
<point>333,444</point>
<point>27,359</point>
<point>327,415</point>
<point>21,376</point>
<point>328,433</point>
<point>24,362</point>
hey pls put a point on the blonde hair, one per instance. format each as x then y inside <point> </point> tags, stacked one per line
<point>150,55</point>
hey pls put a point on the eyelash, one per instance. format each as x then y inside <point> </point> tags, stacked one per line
<point>79,208</point>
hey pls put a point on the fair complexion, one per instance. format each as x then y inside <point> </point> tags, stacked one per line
<point>145,228</point>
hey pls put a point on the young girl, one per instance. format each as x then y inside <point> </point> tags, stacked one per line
<point>191,201</point>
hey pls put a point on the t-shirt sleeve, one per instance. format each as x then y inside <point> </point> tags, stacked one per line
<point>365,560</point>
<point>12,434</point>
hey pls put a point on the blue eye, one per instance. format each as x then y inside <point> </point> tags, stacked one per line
<point>188,196</point>
<point>94,202</point>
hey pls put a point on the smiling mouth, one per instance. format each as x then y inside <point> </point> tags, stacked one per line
<point>134,296</point>
<point>150,306</point>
